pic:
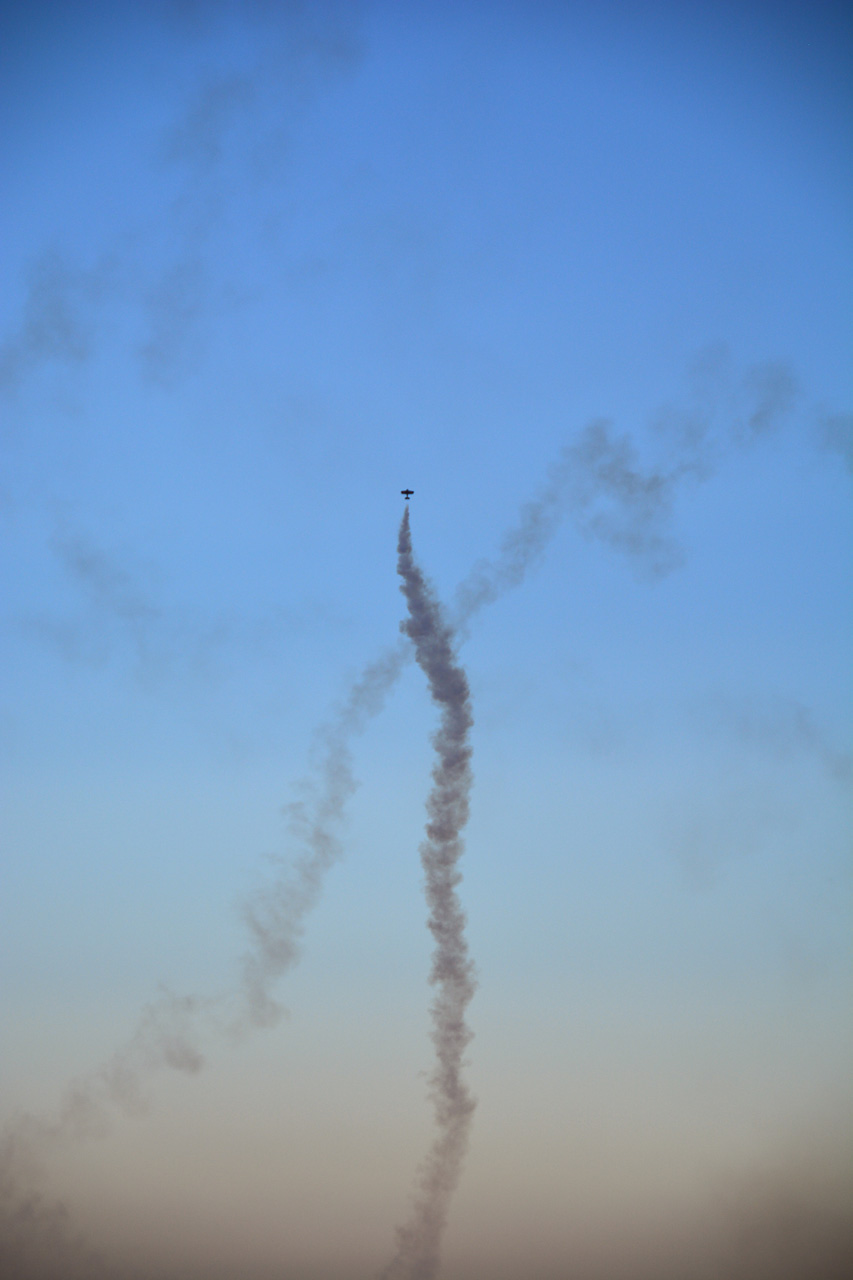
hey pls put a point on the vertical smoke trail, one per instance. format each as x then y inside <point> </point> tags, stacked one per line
<point>452,972</point>
<point>601,481</point>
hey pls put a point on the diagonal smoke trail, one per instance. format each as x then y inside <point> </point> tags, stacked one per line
<point>597,479</point>
<point>169,1032</point>
<point>452,972</point>
<point>276,915</point>
<point>37,1238</point>
<point>601,481</point>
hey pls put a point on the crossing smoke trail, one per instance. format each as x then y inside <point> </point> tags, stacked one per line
<point>613,496</point>
<point>602,481</point>
<point>452,972</point>
<point>170,1030</point>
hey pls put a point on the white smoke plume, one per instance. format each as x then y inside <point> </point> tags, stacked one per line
<point>452,971</point>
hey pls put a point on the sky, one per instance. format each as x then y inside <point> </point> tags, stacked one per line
<point>580,276</point>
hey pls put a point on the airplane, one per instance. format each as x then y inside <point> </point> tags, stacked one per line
<point>407,493</point>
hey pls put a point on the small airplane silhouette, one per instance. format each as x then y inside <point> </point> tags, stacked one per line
<point>407,493</point>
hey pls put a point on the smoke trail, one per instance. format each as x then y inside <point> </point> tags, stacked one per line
<point>452,972</point>
<point>36,1236</point>
<point>276,915</point>
<point>600,482</point>
<point>598,479</point>
<point>169,1031</point>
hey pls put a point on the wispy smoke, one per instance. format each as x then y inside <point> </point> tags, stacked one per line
<point>109,585</point>
<point>784,726</point>
<point>772,388</point>
<point>36,1238</point>
<point>167,1036</point>
<point>117,611</point>
<point>174,305</point>
<point>198,138</point>
<point>117,615</point>
<point>231,129</point>
<point>613,496</point>
<point>835,433</point>
<point>452,972</point>
<point>38,1242</point>
<point>276,915</point>
<point>57,323</point>
<point>599,481</point>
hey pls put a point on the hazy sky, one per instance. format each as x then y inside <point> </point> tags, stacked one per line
<point>579,275</point>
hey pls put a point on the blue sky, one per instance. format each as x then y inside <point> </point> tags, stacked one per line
<point>265,265</point>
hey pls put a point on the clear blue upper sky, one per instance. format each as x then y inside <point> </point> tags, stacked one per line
<point>263,266</point>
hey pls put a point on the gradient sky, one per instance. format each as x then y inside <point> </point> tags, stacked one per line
<point>264,265</point>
